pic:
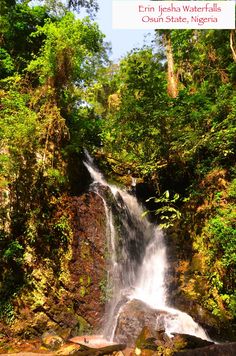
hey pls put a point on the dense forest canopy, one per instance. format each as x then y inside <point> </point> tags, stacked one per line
<point>60,94</point>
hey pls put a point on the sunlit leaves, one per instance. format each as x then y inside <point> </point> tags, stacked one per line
<point>70,51</point>
<point>167,212</point>
<point>216,246</point>
<point>17,23</point>
<point>19,131</point>
<point>135,126</point>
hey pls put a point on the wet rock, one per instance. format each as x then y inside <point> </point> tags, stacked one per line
<point>184,341</point>
<point>68,350</point>
<point>199,314</point>
<point>52,341</point>
<point>222,331</point>
<point>147,339</point>
<point>184,270</point>
<point>88,265</point>
<point>142,327</point>
<point>226,349</point>
<point>134,316</point>
<point>96,345</point>
<point>106,350</point>
<point>28,354</point>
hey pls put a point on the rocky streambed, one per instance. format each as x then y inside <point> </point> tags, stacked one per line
<point>148,343</point>
<point>140,330</point>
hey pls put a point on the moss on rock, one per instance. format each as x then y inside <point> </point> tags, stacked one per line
<point>61,290</point>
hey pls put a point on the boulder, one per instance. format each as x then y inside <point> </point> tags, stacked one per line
<point>52,341</point>
<point>143,327</point>
<point>133,317</point>
<point>68,349</point>
<point>226,349</point>
<point>95,345</point>
<point>147,339</point>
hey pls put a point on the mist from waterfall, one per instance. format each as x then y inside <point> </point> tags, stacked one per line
<point>138,259</point>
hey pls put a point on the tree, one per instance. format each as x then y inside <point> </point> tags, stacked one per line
<point>48,61</point>
<point>90,5</point>
<point>70,51</point>
<point>135,130</point>
<point>172,79</point>
<point>18,23</point>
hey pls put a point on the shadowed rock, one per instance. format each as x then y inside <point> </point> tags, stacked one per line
<point>227,349</point>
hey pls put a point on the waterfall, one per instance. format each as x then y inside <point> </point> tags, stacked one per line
<point>138,259</point>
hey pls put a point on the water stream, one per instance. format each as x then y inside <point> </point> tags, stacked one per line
<point>138,259</point>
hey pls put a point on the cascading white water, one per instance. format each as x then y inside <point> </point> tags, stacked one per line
<point>139,272</point>
<point>150,286</point>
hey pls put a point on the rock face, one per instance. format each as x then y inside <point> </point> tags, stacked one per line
<point>180,271</point>
<point>88,265</point>
<point>65,293</point>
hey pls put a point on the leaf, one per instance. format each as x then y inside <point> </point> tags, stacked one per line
<point>145,213</point>
<point>167,194</point>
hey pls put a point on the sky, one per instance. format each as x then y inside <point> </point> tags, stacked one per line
<point>122,40</point>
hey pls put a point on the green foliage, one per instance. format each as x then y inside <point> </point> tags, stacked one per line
<point>153,133</point>
<point>232,189</point>
<point>13,251</point>
<point>216,244</point>
<point>18,134</point>
<point>6,64</point>
<point>222,229</point>
<point>57,97</point>
<point>134,131</point>
<point>202,56</point>
<point>85,127</point>
<point>56,179</point>
<point>85,282</point>
<point>174,143</point>
<point>62,230</point>
<point>47,60</point>
<point>90,5</point>
<point>7,312</point>
<point>17,24</point>
<point>71,50</point>
<point>168,212</point>
<point>106,290</point>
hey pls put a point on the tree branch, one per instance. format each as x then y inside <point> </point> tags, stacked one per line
<point>232,44</point>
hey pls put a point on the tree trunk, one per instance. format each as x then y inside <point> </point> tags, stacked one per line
<point>171,76</point>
